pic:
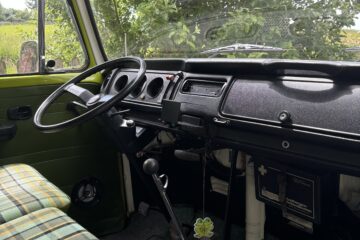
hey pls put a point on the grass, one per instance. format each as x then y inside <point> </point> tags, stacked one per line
<point>11,38</point>
<point>352,38</point>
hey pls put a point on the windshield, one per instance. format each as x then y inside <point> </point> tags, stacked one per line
<point>283,29</point>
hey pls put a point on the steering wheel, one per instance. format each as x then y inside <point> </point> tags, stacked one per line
<point>97,104</point>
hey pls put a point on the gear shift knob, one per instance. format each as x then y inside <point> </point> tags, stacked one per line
<point>151,166</point>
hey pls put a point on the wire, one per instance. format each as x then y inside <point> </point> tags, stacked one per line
<point>206,155</point>
<point>203,186</point>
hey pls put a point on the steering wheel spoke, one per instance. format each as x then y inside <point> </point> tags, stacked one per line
<point>105,98</point>
<point>82,93</point>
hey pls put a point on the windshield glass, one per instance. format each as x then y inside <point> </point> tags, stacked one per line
<point>285,29</point>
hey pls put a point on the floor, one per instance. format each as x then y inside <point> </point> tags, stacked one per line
<point>155,227</point>
<point>151,227</point>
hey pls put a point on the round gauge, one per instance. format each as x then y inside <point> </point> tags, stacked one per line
<point>136,92</point>
<point>155,87</point>
<point>121,83</point>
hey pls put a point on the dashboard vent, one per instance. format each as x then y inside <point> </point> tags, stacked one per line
<point>210,88</point>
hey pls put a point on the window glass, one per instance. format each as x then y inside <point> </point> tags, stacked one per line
<point>18,37</point>
<point>19,46</point>
<point>62,43</point>
<point>285,29</point>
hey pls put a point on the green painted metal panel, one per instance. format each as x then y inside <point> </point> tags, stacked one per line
<point>40,80</point>
<point>67,157</point>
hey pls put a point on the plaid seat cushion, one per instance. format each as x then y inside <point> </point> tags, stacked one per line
<point>24,190</point>
<point>48,223</point>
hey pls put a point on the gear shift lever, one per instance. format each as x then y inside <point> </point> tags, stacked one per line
<point>151,167</point>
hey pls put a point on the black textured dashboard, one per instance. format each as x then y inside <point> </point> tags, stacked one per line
<point>305,112</point>
<point>317,105</point>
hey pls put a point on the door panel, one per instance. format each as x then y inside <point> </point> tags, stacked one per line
<point>67,157</point>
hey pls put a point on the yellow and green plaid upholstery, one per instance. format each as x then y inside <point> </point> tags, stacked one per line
<point>48,223</point>
<point>24,190</point>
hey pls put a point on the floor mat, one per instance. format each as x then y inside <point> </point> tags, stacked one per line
<point>155,227</point>
<point>152,227</point>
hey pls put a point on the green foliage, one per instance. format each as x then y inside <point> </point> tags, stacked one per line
<point>306,29</point>
<point>17,34</point>
<point>242,24</point>
<point>14,15</point>
<point>150,28</point>
<point>314,29</point>
<point>17,26</point>
<point>63,43</point>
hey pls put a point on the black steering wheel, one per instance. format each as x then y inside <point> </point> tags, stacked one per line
<point>97,104</point>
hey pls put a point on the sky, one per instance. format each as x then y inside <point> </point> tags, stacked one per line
<point>357,23</point>
<point>20,4</point>
<point>16,4</point>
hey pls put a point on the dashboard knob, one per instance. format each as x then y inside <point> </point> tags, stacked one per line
<point>170,77</point>
<point>130,123</point>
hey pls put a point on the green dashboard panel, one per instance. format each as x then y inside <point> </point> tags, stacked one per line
<point>43,80</point>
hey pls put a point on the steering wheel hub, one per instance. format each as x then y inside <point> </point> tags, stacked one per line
<point>92,101</point>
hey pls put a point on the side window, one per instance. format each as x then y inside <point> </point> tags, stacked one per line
<point>18,37</point>
<point>20,43</point>
<point>62,43</point>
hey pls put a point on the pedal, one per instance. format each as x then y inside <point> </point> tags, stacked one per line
<point>143,208</point>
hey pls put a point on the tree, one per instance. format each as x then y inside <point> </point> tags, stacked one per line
<point>306,29</point>
<point>63,44</point>
<point>1,13</point>
<point>146,26</point>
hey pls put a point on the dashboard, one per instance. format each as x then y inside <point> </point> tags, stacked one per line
<point>298,112</point>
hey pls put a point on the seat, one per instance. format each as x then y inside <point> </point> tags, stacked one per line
<point>24,190</point>
<point>48,223</point>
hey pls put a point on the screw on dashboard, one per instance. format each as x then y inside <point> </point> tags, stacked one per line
<point>284,117</point>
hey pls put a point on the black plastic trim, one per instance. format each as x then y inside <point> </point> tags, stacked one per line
<point>96,30</point>
<point>199,80</point>
<point>342,71</point>
<point>41,36</point>
<point>7,131</point>
<point>289,157</point>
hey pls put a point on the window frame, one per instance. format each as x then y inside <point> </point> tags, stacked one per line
<point>41,44</point>
<point>96,30</point>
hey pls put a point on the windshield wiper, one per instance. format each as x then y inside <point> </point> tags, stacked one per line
<point>353,49</point>
<point>242,47</point>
